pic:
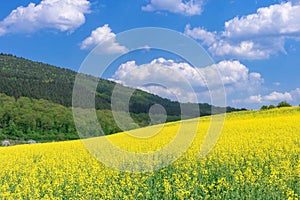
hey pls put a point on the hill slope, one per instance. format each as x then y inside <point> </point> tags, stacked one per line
<point>36,99</point>
<point>22,77</point>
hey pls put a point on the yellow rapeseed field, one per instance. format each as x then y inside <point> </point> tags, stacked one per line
<point>256,157</point>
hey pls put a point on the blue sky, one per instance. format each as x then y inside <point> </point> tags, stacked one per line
<point>254,44</point>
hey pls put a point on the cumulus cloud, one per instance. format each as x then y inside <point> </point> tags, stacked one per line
<point>278,96</point>
<point>162,77</point>
<point>189,8</point>
<point>279,19</point>
<point>256,101</point>
<point>248,49</point>
<point>104,36</point>
<point>233,72</point>
<point>63,15</point>
<point>207,37</point>
<point>253,99</point>
<point>255,36</point>
<point>235,77</point>
<point>175,80</point>
<point>271,98</point>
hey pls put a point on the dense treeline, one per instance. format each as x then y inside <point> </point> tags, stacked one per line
<point>42,120</point>
<point>36,102</point>
<point>27,118</point>
<point>21,77</point>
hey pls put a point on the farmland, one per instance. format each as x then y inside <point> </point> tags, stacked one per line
<point>256,157</point>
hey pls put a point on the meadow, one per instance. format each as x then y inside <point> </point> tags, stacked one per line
<point>256,157</point>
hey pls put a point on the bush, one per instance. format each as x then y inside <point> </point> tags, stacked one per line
<point>264,107</point>
<point>271,106</point>
<point>283,104</point>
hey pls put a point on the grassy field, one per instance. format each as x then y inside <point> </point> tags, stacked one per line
<point>256,157</point>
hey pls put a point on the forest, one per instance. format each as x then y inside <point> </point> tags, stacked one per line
<point>26,118</point>
<point>36,102</point>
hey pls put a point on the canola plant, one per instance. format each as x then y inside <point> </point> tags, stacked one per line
<point>256,157</point>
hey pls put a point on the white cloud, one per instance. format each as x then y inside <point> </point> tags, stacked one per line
<point>249,49</point>
<point>255,36</point>
<point>207,37</point>
<point>63,15</point>
<point>232,71</point>
<point>279,19</point>
<point>169,79</point>
<point>104,36</point>
<point>277,83</point>
<point>236,77</point>
<point>189,8</point>
<point>254,99</point>
<point>278,96</point>
<point>273,97</point>
<point>2,31</point>
<point>162,77</point>
<point>296,94</point>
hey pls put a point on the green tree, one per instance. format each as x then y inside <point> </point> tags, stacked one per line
<point>283,104</point>
<point>12,130</point>
<point>271,106</point>
<point>264,107</point>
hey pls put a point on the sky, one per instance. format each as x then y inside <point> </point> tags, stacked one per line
<point>254,45</point>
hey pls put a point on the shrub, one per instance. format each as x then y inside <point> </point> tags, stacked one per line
<point>264,107</point>
<point>283,104</point>
<point>271,106</point>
